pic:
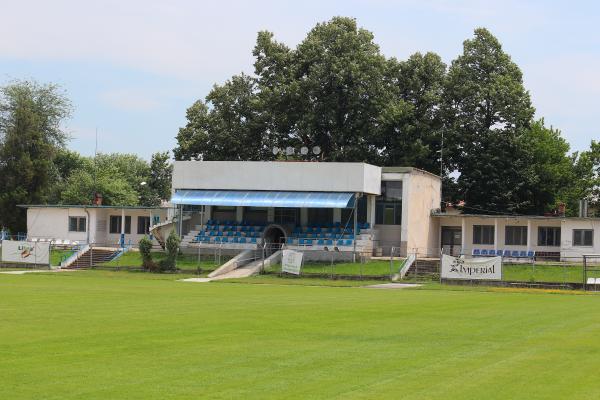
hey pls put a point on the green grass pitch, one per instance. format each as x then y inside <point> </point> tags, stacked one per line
<point>127,335</point>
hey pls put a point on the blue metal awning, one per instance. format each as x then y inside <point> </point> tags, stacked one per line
<point>263,198</point>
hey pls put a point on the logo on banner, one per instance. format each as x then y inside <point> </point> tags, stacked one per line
<point>480,268</point>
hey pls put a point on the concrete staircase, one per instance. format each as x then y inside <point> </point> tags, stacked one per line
<point>424,269</point>
<point>93,257</point>
<point>249,269</point>
<point>188,238</point>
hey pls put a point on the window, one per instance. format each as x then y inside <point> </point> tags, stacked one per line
<point>388,206</point>
<point>583,237</point>
<point>287,216</point>
<point>143,225</point>
<point>515,236</point>
<point>549,236</point>
<point>320,216</point>
<point>483,234</point>
<point>77,224</point>
<point>115,224</point>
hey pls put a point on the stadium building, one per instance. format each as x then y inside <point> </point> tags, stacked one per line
<point>354,208</point>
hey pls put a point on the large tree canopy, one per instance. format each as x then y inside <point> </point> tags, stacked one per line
<point>30,136</point>
<point>487,111</point>
<point>337,91</point>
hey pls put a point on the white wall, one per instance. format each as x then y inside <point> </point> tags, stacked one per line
<point>293,176</point>
<point>568,248</point>
<point>53,223</point>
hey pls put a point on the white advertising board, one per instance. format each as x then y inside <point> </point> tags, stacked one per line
<point>489,268</point>
<point>26,252</point>
<point>291,261</point>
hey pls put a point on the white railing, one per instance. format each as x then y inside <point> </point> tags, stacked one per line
<point>407,264</point>
<point>73,257</point>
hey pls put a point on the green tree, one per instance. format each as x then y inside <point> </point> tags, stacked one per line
<point>80,186</point>
<point>411,124</point>
<point>31,115</point>
<point>159,179</point>
<point>487,111</point>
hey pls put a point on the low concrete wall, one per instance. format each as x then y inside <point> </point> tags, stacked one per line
<point>240,260</point>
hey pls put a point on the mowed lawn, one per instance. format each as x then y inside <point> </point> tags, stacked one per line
<point>126,335</point>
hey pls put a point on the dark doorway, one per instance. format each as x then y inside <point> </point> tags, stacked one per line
<point>451,240</point>
<point>274,238</point>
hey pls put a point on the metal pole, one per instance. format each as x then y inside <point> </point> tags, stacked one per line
<point>584,273</point>
<point>355,227</point>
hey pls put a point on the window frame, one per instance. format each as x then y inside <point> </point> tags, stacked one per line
<point>522,235</point>
<point>145,218</point>
<point>79,219</point>
<point>479,239</point>
<point>583,233</point>
<point>127,229</point>
<point>555,240</point>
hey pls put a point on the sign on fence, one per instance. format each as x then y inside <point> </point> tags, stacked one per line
<point>291,261</point>
<point>473,268</point>
<point>26,252</point>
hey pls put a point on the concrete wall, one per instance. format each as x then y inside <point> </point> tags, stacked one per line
<point>293,176</point>
<point>570,250</point>
<point>53,223</point>
<point>423,196</point>
<point>567,225</point>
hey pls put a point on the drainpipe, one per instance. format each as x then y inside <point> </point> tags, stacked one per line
<point>88,224</point>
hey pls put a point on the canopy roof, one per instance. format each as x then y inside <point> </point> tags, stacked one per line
<point>255,198</point>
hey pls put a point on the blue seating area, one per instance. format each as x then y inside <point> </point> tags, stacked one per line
<point>334,234</point>
<point>503,253</point>
<point>325,235</point>
<point>229,232</point>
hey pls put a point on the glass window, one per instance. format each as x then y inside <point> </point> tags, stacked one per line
<point>388,206</point>
<point>549,236</point>
<point>515,236</point>
<point>77,224</point>
<point>483,234</point>
<point>583,237</point>
<point>224,213</point>
<point>115,224</point>
<point>143,225</point>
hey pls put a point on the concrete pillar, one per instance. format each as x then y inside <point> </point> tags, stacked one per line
<point>207,213</point>
<point>304,216</point>
<point>371,210</point>
<point>239,214</point>
<point>337,215</point>
<point>122,239</point>
<point>528,235</point>
<point>271,214</point>
<point>463,235</point>
<point>495,233</point>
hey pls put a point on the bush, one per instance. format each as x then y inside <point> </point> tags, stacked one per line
<point>145,247</point>
<point>172,250</point>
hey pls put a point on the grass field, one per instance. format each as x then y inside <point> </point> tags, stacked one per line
<point>371,268</point>
<point>127,335</point>
<point>133,259</point>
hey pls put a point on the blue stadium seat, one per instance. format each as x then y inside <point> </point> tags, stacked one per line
<point>522,253</point>
<point>348,242</point>
<point>329,242</point>
<point>484,252</point>
<point>242,240</point>
<point>253,240</point>
<point>531,254</point>
<point>321,242</point>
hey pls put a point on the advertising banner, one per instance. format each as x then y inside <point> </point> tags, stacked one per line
<point>26,252</point>
<point>489,268</point>
<point>291,262</point>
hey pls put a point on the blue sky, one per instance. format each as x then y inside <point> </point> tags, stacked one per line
<point>132,68</point>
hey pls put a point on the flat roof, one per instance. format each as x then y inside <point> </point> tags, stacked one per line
<point>87,206</point>
<point>515,216</point>
<point>406,170</point>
